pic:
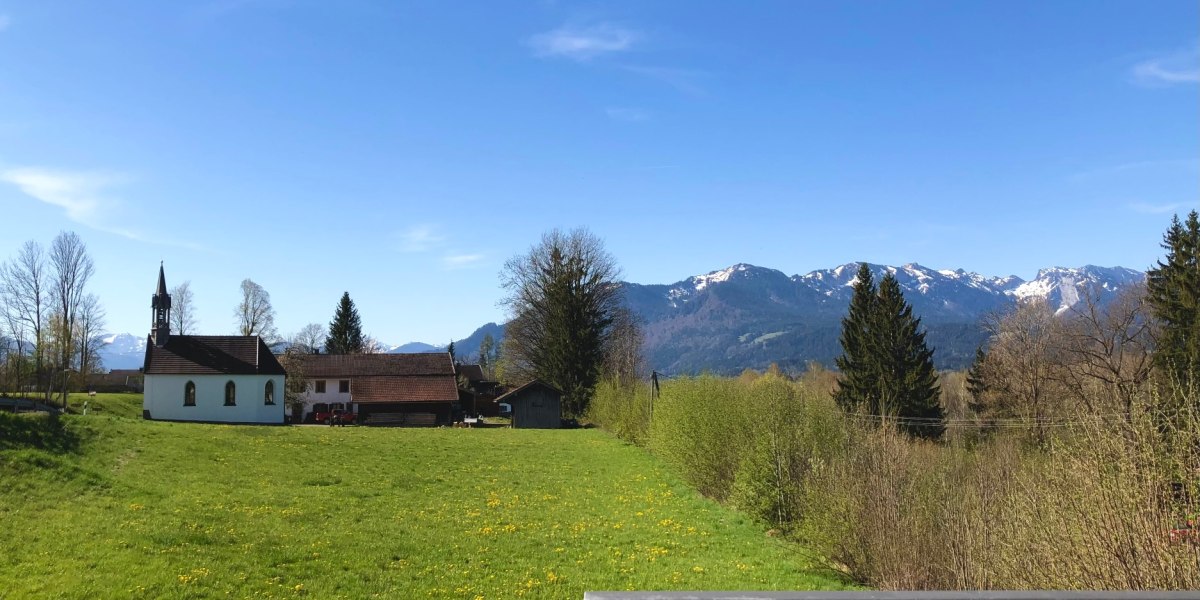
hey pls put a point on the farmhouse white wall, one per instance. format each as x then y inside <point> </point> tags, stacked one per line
<point>331,395</point>
<point>164,398</point>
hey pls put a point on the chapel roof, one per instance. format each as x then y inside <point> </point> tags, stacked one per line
<point>211,355</point>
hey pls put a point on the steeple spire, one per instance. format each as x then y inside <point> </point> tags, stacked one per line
<point>161,303</point>
<point>162,281</point>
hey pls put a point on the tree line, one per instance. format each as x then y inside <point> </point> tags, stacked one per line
<point>1038,364</point>
<point>1044,366</point>
<point>50,325</point>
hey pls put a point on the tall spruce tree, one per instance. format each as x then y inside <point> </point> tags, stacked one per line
<point>908,385</point>
<point>563,298</point>
<point>859,372</point>
<point>345,331</point>
<point>886,367</point>
<point>1173,292</point>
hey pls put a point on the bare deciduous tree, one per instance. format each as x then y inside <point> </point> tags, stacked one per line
<point>255,315</point>
<point>1109,347</point>
<point>25,287</point>
<point>183,309</point>
<point>1020,364</point>
<point>296,384</point>
<point>373,346</point>
<point>71,269</point>
<point>623,360</point>
<point>89,329</point>
<point>308,339</point>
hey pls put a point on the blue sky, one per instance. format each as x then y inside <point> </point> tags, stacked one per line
<point>403,151</point>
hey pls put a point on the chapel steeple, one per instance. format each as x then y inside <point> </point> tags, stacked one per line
<point>161,303</point>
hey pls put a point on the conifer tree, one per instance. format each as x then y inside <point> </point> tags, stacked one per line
<point>1173,292</point>
<point>977,384</point>
<point>345,331</point>
<point>886,367</point>
<point>908,386</point>
<point>859,372</point>
<point>564,297</point>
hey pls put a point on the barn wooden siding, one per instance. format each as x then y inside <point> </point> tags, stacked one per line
<point>535,406</point>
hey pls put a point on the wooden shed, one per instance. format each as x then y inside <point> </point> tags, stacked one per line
<point>535,405</point>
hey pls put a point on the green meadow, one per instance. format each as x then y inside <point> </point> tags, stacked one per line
<point>107,505</point>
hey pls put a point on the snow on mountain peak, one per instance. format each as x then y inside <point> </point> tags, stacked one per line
<point>702,281</point>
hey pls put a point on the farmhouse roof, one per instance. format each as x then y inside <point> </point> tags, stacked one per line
<point>471,372</point>
<point>438,388</point>
<point>336,366</point>
<point>211,355</point>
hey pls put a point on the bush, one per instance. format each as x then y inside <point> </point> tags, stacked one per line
<point>1092,509</point>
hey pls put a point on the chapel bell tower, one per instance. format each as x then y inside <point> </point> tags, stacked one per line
<point>161,303</point>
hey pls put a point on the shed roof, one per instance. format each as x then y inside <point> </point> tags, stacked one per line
<point>211,355</point>
<point>415,388</point>
<point>336,366</point>
<point>527,386</point>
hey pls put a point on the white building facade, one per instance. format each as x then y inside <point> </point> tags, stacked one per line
<point>209,378</point>
<point>215,398</point>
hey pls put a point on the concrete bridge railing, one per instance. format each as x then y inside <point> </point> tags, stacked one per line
<point>914,595</point>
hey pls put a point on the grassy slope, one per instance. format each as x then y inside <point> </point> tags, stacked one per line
<point>121,507</point>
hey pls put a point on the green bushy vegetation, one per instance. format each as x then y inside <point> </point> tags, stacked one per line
<point>990,508</point>
<point>103,506</point>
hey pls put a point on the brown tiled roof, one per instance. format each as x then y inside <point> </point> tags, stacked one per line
<point>471,372</point>
<point>211,354</point>
<point>341,366</point>
<point>438,388</point>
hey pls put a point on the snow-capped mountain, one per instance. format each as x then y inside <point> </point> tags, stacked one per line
<point>749,316</point>
<point>123,351</point>
<point>1065,288</point>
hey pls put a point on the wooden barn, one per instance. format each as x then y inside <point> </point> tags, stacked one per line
<point>535,405</point>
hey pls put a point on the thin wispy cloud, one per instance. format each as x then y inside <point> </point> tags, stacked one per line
<point>85,198</point>
<point>687,81</point>
<point>583,43</point>
<point>462,261</point>
<point>1182,67</point>
<point>5,21</point>
<point>420,238</point>
<point>81,194</point>
<point>1156,209</point>
<point>627,114</point>
<point>1142,167</point>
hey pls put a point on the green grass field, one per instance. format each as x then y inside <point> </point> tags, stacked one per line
<point>107,506</point>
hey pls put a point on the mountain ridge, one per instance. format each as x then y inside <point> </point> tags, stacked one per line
<point>747,316</point>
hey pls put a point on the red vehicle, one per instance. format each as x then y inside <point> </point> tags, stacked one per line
<point>337,413</point>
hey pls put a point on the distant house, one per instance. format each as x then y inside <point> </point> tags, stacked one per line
<point>535,405</point>
<point>208,378</point>
<point>478,393</point>
<point>383,389</point>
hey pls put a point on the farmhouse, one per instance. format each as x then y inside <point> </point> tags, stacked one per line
<point>535,405</point>
<point>383,389</point>
<point>208,378</point>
